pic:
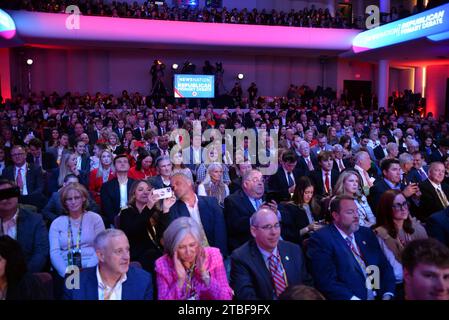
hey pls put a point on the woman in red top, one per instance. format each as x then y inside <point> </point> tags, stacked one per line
<point>102,174</point>
<point>143,168</point>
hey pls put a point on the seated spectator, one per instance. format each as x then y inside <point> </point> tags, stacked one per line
<point>15,282</point>
<point>212,157</point>
<point>242,168</point>
<point>381,150</point>
<point>426,270</point>
<point>54,208</point>
<point>283,181</point>
<point>72,235</point>
<point>341,252</point>
<point>104,173</point>
<point>307,162</point>
<point>24,226</point>
<point>437,226</point>
<point>340,164</point>
<point>178,166</point>
<point>213,185</point>
<point>322,145</point>
<point>419,170</point>
<point>348,183</point>
<point>395,228</point>
<point>113,144</point>
<point>362,166</point>
<point>114,193</point>
<point>443,148</point>
<point>39,158</point>
<point>61,147</point>
<point>164,171</point>
<point>324,178</point>
<point>391,179</point>
<point>95,158</point>
<point>27,177</point>
<point>143,168</point>
<point>113,278</point>
<point>144,222</point>
<point>301,216</point>
<point>189,270</point>
<point>283,260</point>
<point>82,159</point>
<point>68,166</point>
<point>203,209</point>
<point>392,150</point>
<point>434,192</point>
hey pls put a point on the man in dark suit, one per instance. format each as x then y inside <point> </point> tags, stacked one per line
<point>164,169</point>
<point>204,210</point>
<point>27,177</point>
<point>284,180</point>
<point>443,147</point>
<point>239,207</point>
<point>380,151</point>
<point>17,129</point>
<point>434,193</point>
<point>437,226</point>
<point>263,267</point>
<point>307,162</point>
<point>408,173</point>
<point>421,170</point>
<point>340,164</point>
<point>192,156</point>
<point>120,129</point>
<point>139,132</point>
<point>114,193</point>
<point>241,169</point>
<point>95,134</point>
<point>162,149</point>
<point>391,179</point>
<point>40,159</point>
<point>324,178</point>
<point>113,278</point>
<point>342,256</point>
<point>24,226</point>
<point>82,159</point>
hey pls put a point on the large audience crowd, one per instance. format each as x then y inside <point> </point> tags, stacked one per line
<point>295,197</point>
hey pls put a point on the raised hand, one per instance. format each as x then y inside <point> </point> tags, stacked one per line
<point>180,271</point>
<point>168,203</point>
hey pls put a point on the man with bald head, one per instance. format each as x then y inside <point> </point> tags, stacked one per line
<point>263,267</point>
<point>239,206</point>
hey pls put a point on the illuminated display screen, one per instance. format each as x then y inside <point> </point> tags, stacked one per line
<point>193,86</point>
<point>428,23</point>
<point>7,26</point>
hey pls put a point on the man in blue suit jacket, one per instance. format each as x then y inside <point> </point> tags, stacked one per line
<point>437,226</point>
<point>26,227</point>
<point>206,209</point>
<point>343,254</point>
<point>113,278</point>
<point>251,277</point>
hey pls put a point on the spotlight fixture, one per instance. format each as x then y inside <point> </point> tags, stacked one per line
<point>174,66</point>
<point>30,62</point>
<point>240,76</point>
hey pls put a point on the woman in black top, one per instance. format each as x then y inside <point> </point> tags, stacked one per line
<point>144,222</point>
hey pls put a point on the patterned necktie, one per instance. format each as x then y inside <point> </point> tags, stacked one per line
<point>357,255</point>
<point>340,165</point>
<point>422,174</point>
<point>309,164</point>
<point>19,179</point>
<point>443,198</point>
<point>276,274</point>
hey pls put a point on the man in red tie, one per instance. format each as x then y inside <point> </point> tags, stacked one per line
<point>265,266</point>
<point>325,177</point>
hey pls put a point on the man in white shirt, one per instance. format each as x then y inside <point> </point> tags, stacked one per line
<point>362,165</point>
<point>113,278</point>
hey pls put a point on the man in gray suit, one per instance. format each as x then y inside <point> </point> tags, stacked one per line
<point>322,145</point>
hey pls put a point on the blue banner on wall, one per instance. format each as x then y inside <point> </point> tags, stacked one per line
<point>194,86</point>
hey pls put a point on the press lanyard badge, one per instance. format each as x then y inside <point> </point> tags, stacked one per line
<point>74,255</point>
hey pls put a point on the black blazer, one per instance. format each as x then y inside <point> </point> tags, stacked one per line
<point>250,278</point>
<point>436,156</point>
<point>437,226</point>
<point>144,241</point>
<point>302,167</point>
<point>376,191</point>
<point>137,134</point>
<point>429,201</point>
<point>278,182</point>
<point>346,163</point>
<point>48,160</point>
<point>110,199</point>
<point>157,182</point>
<point>293,220</point>
<point>34,183</point>
<point>379,152</point>
<point>316,177</point>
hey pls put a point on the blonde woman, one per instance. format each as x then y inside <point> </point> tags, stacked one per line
<point>349,183</point>
<point>104,173</point>
<point>68,166</point>
<point>213,184</point>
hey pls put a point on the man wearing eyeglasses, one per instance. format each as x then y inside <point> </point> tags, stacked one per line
<point>27,177</point>
<point>265,266</point>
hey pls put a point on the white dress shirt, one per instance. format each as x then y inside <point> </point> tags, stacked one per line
<point>123,194</point>
<point>9,228</point>
<point>115,293</point>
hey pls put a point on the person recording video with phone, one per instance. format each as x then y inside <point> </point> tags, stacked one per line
<point>144,222</point>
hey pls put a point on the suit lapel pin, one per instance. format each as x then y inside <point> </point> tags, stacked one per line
<point>287,258</point>
<point>364,243</point>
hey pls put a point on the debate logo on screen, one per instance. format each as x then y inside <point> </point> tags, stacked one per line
<point>194,86</point>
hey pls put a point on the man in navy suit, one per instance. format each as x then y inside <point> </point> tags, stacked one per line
<point>346,258</point>
<point>164,169</point>
<point>284,180</point>
<point>114,193</point>
<point>324,178</point>
<point>113,278</point>
<point>421,170</point>
<point>391,179</point>
<point>263,267</point>
<point>31,180</point>
<point>437,226</point>
<point>307,162</point>
<point>204,210</point>
<point>24,226</point>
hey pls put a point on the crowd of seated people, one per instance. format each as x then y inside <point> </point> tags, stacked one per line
<point>308,17</point>
<point>345,188</point>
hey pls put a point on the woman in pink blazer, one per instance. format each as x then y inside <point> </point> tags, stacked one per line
<point>189,270</point>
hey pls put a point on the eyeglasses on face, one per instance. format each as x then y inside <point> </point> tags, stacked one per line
<point>269,227</point>
<point>399,206</point>
<point>77,198</point>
